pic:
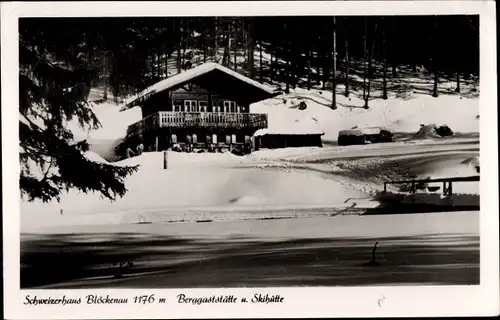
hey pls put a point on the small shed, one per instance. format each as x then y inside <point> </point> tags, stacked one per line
<point>292,129</point>
<point>285,140</point>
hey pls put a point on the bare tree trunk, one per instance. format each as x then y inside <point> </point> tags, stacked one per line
<point>225,55</point>
<point>288,73</point>
<point>216,38</point>
<point>288,67</point>
<point>370,56</point>
<point>318,66</point>
<point>204,51</point>
<point>334,71</point>
<point>158,67</point>
<point>309,69</point>
<point>179,55</point>
<point>365,59</point>
<point>226,59</point>
<point>153,69</point>
<point>260,62</point>
<point>235,46</point>
<point>167,46</point>
<point>105,95</point>
<point>179,40</point>
<point>183,52</point>
<point>235,56</point>
<point>293,69</point>
<point>271,74</point>
<point>251,48</point>
<point>346,77</point>
<point>384,80</point>
<point>435,63</point>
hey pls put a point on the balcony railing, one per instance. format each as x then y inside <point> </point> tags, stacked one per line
<point>210,120</point>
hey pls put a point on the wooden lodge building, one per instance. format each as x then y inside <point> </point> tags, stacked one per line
<point>206,107</point>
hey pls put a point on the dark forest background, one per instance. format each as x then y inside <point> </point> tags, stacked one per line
<point>127,54</point>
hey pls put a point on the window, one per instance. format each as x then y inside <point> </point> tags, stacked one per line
<point>217,106</point>
<point>203,105</point>
<point>229,106</point>
<point>177,105</point>
<point>226,106</point>
<point>190,106</point>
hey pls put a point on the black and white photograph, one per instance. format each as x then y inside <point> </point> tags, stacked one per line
<point>249,151</point>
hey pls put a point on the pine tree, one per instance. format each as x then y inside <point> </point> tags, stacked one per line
<point>54,82</point>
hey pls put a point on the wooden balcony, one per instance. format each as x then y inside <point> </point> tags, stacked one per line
<point>209,120</point>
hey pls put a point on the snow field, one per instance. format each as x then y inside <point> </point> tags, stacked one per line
<point>397,115</point>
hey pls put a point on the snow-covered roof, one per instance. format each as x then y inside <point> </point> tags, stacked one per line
<point>190,74</point>
<point>290,122</point>
<point>361,131</point>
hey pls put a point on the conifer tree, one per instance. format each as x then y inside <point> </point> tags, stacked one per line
<point>54,83</point>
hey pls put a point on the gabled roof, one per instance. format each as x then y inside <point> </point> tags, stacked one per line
<point>188,75</point>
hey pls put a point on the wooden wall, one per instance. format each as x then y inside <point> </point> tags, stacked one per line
<point>162,100</point>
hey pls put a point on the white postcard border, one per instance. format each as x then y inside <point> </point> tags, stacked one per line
<point>298,302</point>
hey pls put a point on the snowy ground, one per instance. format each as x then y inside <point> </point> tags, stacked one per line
<point>298,182</point>
<point>431,249</point>
<point>208,217</point>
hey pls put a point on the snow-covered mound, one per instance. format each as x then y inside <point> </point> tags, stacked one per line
<point>395,114</point>
<point>189,183</point>
<point>426,131</point>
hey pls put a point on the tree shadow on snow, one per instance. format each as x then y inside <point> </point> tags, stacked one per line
<point>86,260</point>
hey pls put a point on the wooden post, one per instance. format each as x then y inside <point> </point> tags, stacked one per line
<point>413,187</point>
<point>165,160</point>
<point>385,187</point>
<point>444,188</point>
<point>450,190</point>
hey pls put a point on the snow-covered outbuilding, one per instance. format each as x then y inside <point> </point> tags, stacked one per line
<point>204,107</point>
<point>288,128</point>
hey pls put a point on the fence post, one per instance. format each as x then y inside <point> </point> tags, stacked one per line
<point>165,159</point>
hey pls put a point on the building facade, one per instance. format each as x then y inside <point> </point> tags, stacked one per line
<point>207,107</point>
